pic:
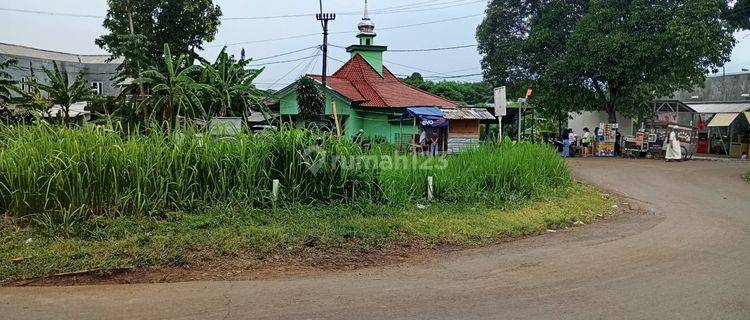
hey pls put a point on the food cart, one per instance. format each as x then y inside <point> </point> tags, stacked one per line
<point>659,135</point>
<point>635,146</point>
<point>665,117</point>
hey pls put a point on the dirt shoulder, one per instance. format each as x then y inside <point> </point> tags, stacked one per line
<point>415,236</point>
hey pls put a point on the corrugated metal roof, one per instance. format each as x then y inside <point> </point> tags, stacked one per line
<point>720,107</point>
<point>257,116</point>
<point>468,113</point>
<point>723,119</point>
<point>22,51</point>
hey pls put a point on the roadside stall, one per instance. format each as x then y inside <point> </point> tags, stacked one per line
<point>636,145</point>
<point>725,132</point>
<point>729,134</point>
<point>606,139</point>
<point>464,127</point>
<point>427,121</point>
<point>659,135</point>
<point>666,116</point>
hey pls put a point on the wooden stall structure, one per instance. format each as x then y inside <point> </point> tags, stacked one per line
<point>463,127</point>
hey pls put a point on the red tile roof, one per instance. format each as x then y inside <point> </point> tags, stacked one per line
<point>359,82</point>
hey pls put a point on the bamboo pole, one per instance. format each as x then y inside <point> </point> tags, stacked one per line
<point>336,118</point>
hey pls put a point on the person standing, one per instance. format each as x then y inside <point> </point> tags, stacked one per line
<point>422,141</point>
<point>618,137</point>
<point>674,149</point>
<point>586,141</point>
<point>565,143</point>
<point>434,144</point>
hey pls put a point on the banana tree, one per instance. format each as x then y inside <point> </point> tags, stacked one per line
<point>233,87</point>
<point>60,91</point>
<point>174,92</point>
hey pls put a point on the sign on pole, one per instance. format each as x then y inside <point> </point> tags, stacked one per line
<point>501,109</point>
<point>501,102</point>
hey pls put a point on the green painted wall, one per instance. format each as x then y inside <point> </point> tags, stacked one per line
<point>374,123</point>
<point>363,40</point>
<point>373,58</point>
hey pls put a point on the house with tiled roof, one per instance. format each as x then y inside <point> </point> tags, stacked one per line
<point>368,97</point>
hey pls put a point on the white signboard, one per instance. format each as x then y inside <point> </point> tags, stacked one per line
<point>501,102</point>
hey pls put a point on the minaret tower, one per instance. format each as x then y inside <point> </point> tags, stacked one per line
<point>366,48</point>
<point>366,28</point>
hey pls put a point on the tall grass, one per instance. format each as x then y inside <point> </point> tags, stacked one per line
<point>54,173</point>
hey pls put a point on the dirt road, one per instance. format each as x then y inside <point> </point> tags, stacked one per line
<point>688,259</point>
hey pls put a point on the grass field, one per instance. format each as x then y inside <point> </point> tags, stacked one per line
<point>89,198</point>
<point>223,232</point>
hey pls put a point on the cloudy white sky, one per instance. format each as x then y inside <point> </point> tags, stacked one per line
<point>455,24</point>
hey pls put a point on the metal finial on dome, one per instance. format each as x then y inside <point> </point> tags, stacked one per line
<point>366,26</point>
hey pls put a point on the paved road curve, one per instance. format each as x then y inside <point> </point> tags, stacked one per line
<point>689,259</point>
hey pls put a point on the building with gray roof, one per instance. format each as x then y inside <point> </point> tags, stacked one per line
<point>99,69</point>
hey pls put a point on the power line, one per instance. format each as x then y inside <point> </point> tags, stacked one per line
<point>292,70</point>
<point>51,13</point>
<point>420,6</point>
<point>421,50</point>
<point>432,22</point>
<point>442,75</point>
<point>282,61</point>
<point>264,40</point>
<point>415,68</point>
<point>285,53</point>
<point>434,49</point>
<point>456,76</point>
<point>347,32</point>
<point>436,8</point>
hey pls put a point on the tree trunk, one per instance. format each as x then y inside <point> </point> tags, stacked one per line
<point>66,115</point>
<point>611,113</point>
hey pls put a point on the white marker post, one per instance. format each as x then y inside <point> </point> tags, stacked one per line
<point>275,189</point>
<point>430,189</point>
<point>501,109</point>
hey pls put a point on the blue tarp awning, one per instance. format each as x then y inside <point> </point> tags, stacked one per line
<point>425,111</point>
<point>429,116</point>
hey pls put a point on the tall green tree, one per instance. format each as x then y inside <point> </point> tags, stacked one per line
<point>738,14</point>
<point>470,93</point>
<point>310,99</point>
<point>606,55</point>
<point>174,92</point>
<point>138,30</point>
<point>61,91</point>
<point>232,82</point>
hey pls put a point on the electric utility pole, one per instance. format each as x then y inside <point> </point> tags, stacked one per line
<point>324,18</point>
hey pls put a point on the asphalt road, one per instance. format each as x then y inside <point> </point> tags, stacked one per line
<point>689,258</point>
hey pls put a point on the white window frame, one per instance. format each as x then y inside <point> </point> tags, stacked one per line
<point>25,87</point>
<point>97,87</point>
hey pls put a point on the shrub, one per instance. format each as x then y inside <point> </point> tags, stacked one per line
<point>52,173</point>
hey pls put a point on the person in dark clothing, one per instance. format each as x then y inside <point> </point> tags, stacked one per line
<point>618,136</point>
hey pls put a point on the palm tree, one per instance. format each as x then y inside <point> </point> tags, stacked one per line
<point>174,92</point>
<point>7,84</point>
<point>233,85</point>
<point>60,91</point>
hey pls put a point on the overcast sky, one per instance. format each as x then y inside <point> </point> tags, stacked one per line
<point>459,19</point>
